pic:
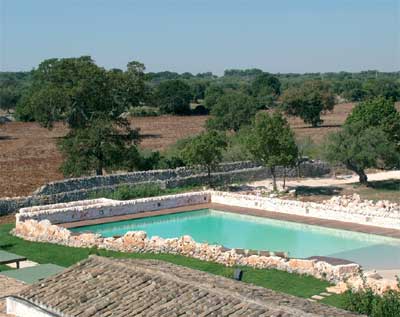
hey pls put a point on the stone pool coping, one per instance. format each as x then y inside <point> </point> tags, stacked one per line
<point>334,224</point>
<point>50,224</point>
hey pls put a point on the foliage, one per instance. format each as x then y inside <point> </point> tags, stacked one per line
<point>205,150</point>
<point>378,112</point>
<point>359,148</point>
<point>308,101</point>
<point>366,302</point>
<point>234,151</point>
<point>265,88</point>
<point>127,192</point>
<point>12,86</point>
<point>211,95</point>
<point>144,111</point>
<point>271,142</point>
<point>97,147</point>
<point>197,89</point>
<point>174,97</point>
<point>91,101</point>
<point>232,110</point>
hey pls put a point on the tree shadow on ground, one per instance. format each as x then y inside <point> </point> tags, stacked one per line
<point>320,126</point>
<point>150,136</point>
<point>6,246</point>
<point>390,185</point>
<point>319,190</point>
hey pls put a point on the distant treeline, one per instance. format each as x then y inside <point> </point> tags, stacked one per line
<point>171,92</point>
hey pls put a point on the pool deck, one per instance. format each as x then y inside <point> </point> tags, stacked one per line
<point>393,233</point>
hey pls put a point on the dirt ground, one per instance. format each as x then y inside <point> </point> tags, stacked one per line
<point>384,185</point>
<point>29,157</point>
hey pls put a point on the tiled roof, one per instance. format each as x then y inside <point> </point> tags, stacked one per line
<point>124,287</point>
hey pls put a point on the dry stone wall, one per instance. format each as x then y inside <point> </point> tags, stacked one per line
<point>350,209</point>
<point>100,208</point>
<point>83,188</point>
<point>137,241</point>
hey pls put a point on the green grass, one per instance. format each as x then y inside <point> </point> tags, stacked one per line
<point>4,268</point>
<point>336,300</point>
<point>294,284</point>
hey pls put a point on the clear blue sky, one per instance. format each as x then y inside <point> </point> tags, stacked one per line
<point>208,35</point>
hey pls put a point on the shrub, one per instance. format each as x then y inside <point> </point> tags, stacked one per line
<point>366,302</point>
<point>144,111</point>
<point>126,192</point>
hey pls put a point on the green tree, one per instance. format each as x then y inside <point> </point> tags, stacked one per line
<point>378,112</point>
<point>386,88</point>
<point>98,147</point>
<point>206,150</point>
<point>91,101</point>
<point>9,97</point>
<point>174,97</point>
<point>265,88</point>
<point>211,96</point>
<point>359,148</point>
<point>271,142</point>
<point>232,110</point>
<point>308,101</point>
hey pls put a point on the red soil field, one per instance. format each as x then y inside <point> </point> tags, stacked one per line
<point>29,157</point>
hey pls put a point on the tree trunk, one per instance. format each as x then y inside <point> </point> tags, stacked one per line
<point>99,169</point>
<point>284,177</point>
<point>363,178</point>
<point>209,175</point>
<point>272,169</point>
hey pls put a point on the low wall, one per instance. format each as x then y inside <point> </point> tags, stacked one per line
<point>83,188</point>
<point>348,275</point>
<point>100,208</point>
<point>39,224</point>
<point>356,211</point>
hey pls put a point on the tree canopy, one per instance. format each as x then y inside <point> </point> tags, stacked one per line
<point>271,142</point>
<point>232,110</point>
<point>174,97</point>
<point>378,112</point>
<point>91,101</point>
<point>308,101</point>
<point>205,150</point>
<point>359,148</point>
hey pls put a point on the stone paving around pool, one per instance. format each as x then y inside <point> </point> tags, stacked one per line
<point>39,224</point>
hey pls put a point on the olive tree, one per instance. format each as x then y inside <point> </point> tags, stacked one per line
<point>308,101</point>
<point>360,148</point>
<point>271,142</point>
<point>232,111</point>
<point>205,150</point>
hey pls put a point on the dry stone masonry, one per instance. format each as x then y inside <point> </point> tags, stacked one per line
<point>39,224</point>
<point>75,189</point>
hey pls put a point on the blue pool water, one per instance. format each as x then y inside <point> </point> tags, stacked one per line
<point>250,232</point>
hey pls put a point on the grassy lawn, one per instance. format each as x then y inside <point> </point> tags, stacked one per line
<point>334,300</point>
<point>294,284</point>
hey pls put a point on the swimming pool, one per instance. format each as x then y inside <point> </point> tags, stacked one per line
<point>249,232</point>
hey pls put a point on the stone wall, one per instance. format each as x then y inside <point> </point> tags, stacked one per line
<point>349,209</point>
<point>38,224</point>
<point>100,208</point>
<point>83,188</point>
<point>137,241</point>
